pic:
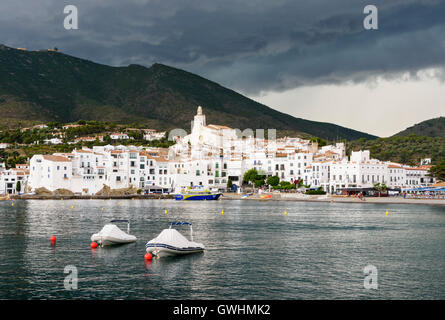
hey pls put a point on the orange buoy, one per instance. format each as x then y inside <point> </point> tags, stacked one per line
<point>53,238</point>
<point>93,245</point>
<point>148,256</point>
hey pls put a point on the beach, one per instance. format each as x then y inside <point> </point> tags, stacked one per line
<point>336,199</point>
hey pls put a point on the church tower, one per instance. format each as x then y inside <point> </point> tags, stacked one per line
<point>199,121</point>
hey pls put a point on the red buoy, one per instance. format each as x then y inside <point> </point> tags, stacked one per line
<point>148,256</point>
<point>93,245</point>
<point>53,238</point>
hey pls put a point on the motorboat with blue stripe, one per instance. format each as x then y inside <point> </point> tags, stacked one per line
<point>197,193</point>
<point>171,243</point>
<point>112,235</point>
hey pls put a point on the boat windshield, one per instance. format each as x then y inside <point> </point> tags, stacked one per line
<point>179,223</point>
<point>123,221</point>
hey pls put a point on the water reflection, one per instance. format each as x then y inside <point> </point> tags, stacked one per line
<point>254,251</point>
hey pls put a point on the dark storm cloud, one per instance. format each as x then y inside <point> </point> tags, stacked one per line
<point>249,45</point>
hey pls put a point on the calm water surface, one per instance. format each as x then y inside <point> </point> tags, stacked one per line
<point>255,251</point>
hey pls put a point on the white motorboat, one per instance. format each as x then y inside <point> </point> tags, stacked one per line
<point>170,242</point>
<point>111,234</point>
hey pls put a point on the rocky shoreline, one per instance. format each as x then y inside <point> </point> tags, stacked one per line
<point>94,197</point>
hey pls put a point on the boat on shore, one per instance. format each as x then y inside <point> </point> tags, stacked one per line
<point>197,193</point>
<point>171,243</point>
<point>112,235</point>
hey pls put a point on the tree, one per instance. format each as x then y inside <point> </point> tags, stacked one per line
<point>137,135</point>
<point>273,181</point>
<point>250,176</point>
<point>53,125</point>
<point>438,171</point>
<point>259,182</point>
<point>380,187</point>
<point>18,186</point>
<point>229,184</point>
<point>107,139</point>
<point>321,142</point>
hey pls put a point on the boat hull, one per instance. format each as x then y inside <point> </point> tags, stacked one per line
<point>164,250</point>
<point>109,241</point>
<point>197,197</point>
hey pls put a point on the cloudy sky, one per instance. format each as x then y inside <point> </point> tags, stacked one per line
<point>311,59</point>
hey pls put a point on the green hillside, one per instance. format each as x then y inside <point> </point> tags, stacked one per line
<point>403,149</point>
<point>431,128</point>
<point>38,86</point>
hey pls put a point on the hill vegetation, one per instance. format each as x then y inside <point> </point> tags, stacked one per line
<point>430,128</point>
<point>43,86</point>
<point>402,149</point>
<point>23,144</point>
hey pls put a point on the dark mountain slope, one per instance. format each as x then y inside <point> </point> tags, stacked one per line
<point>47,85</point>
<point>430,128</point>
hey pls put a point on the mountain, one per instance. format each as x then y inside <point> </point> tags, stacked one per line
<point>430,128</point>
<point>51,86</point>
<point>408,149</point>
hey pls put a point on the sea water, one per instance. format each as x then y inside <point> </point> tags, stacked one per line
<point>255,250</point>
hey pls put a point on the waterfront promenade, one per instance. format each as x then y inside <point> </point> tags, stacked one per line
<point>255,197</point>
<point>342,199</point>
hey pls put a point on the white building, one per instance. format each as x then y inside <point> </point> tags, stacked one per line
<point>51,172</point>
<point>13,181</point>
<point>119,136</point>
<point>54,141</point>
<point>211,155</point>
<point>150,135</point>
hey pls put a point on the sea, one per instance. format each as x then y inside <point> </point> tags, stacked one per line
<point>266,249</point>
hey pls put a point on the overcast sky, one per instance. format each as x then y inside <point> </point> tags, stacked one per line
<point>311,59</point>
